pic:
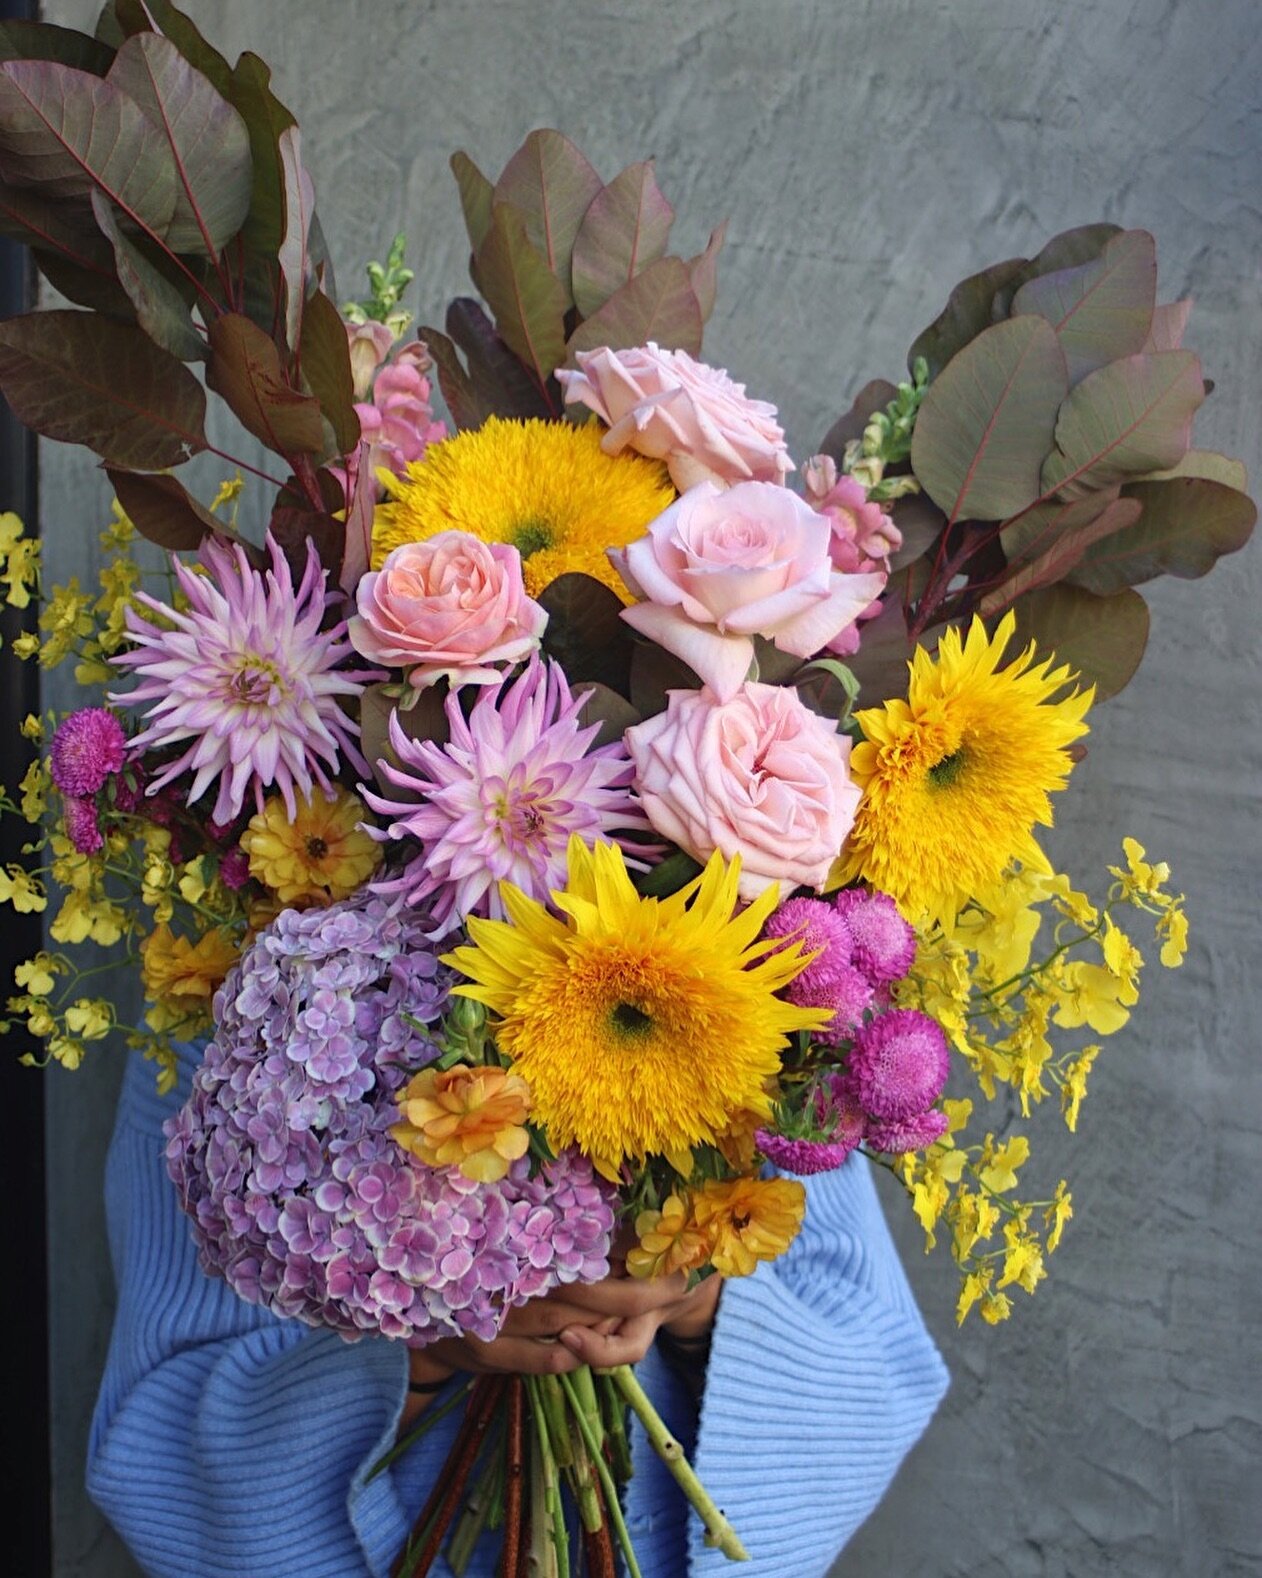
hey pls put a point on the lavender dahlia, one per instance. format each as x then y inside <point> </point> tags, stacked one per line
<point>502,798</point>
<point>245,681</point>
<point>282,1155</point>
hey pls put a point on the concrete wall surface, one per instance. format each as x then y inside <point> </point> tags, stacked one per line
<point>869,153</point>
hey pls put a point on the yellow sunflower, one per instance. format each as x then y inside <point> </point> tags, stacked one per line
<point>641,1025</point>
<point>956,777</point>
<point>546,487</point>
<point>319,857</point>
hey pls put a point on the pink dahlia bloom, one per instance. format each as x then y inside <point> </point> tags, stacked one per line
<point>669,406</point>
<point>760,776</point>
<point>245,681</point>
<point>87,748</point>
<point>721,566</point>
<point>501,799</point>
<point>899,1064</point>
<point>884,944</point>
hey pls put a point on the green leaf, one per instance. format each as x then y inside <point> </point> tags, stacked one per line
<point>1100,310</point>
<point>830,688</point>
<point>161,310</point>
<point>613,712</point>
<point>659,304</point>
<point>676,871</point>
<point>1058,559</point>
<point>551,185</point>
<point>585,633</point>
<point>501,384</point>
<point>85,379</point>
<point>245,369</point>
<point>162,510</point>
<point>625,229</point>
<point>1101,638</point>
<point>1131,417</point>
<point>703,271</point>
<point>299,197</point>
<point>1066,250</point>
<point>528,302</point>
<point>209,142</point>
<point>874,396</point>
<point>265,118</point>
<point>43,41</point>
<point>326,366</point>
<point>966,314</point>
<point>477,196</point>
<point>1187,524</point>
<point>988,419</point>
<point>70,132</point>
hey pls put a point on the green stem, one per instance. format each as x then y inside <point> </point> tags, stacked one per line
<point>719,1532</point>
<point>554,1412</point>
<point>476,1514</point>
<point>606,1478</point>
<point>615,1428</point>
<point>557,1564</point>
<point>429,1419</point>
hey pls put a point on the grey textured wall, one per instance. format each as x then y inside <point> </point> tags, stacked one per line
<point>869,154</point>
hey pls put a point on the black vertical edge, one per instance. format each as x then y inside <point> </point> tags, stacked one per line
<point>25,1414</point>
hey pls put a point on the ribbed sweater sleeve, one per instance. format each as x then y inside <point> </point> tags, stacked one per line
<point>225,1441</point>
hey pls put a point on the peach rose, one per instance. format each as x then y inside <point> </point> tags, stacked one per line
<point>695,418</point>
<point>721,566</point>
<point>760,776</point>
<point>451,605</point>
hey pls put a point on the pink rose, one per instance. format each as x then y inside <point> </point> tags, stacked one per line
<point>759,776</point>
<point>721,566</point>
<point>695,418</point>
<point>450,605</point>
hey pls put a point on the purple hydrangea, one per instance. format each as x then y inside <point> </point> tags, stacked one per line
<point>283,1158</point>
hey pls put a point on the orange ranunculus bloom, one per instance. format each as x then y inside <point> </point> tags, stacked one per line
<point>471,1118</point>
<point>746,1220</point>
<point>669,1241</point>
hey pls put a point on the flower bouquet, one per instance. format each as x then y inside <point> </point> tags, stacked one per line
<point>505,822</point>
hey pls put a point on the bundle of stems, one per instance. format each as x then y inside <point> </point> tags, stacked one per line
<point>543,1458</point>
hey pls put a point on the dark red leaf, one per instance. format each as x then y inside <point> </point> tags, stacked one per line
<point>245,369</point>
<point>162,510</point>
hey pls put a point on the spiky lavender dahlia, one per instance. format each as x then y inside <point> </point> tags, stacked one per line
<point>502,798</point>
<point>245,680</point>
<point>283,1158</point>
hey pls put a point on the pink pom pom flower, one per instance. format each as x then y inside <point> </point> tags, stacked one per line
<point>88,746</point>
<point>899,1063</point>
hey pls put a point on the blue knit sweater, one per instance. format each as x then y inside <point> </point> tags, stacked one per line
<point>230,1444</point>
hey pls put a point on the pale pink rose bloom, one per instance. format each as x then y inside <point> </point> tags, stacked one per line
<point>451,605</point>
<point>863,539</point>
<point>720,566</point>
<point>667,405</point>
<point>759,776</point>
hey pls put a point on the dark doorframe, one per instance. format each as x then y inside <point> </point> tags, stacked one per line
<point>25,1414</point>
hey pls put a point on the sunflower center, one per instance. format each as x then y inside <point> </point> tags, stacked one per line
<point>630,1021</point>
<point>317,848</point>
<point>531,536</point>
<point>947,771</point>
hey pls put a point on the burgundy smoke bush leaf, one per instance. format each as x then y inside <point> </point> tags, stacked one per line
<point>1206,463</point>
<point>500,383</point>
<point>266,118</point>
<point>162,510</point>
<point>659,304</point>
<point>1185,527</point>
<point>1126,419</point>
<point>988,420</point>
<point>299,196</point>
<point>1056,561</point>
<point>245,369</point>
<point>70,132</point>
<point>1101,638</point>
<point>625,229</point>
<point>1033,531</point>
<point>966,314</point>
<point>143,16</point>
<point>1066,250</point>
<point>528,301</point>
<point>551,185</point>
<point>1100,310</point>
<point>43,41</point>
<point>1169,323</point>
<point>477,197</point>
<point>326,366</point>
<point>161,310</point>
<point>703,271</point>
<point>209,142</point>
<point>586,634</point>
<point>357,553</point>
<point>467,408</point>
<point>85,379</point>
